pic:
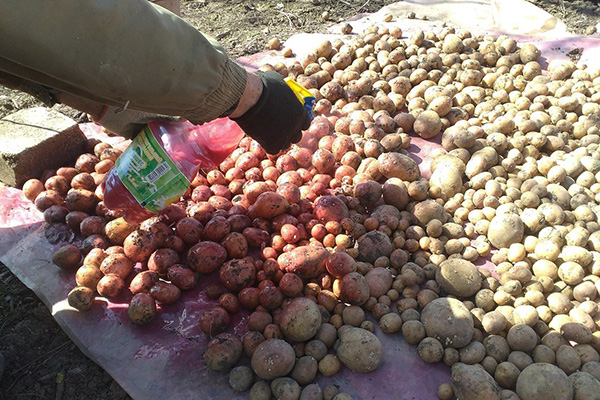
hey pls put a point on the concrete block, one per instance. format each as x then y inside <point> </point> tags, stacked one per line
<point>36,139</point>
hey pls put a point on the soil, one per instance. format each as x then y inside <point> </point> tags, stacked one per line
<point>41,361</point>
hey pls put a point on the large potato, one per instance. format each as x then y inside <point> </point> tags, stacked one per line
<point>118,229</point>
<point>273,358</point>
<point>352,288</point>
<point>458,277</point>
<point>472,382</point>
<point>67,257</point>
<point>506,229</point>
<point>360,350</point>
<point>541,381</point>
<point>449,321</point>
<point>300,320</point>
<point>305,261</point>
<point>237,274</point>
<point>397,165</point>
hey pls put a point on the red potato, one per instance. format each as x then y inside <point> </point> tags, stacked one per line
<point>142,309</point>
<point>93,242</point>
<point>110,285</point>
<point>54,214</point>
<point>236,275</point>
<point>67,257</point>
<point>255,189</point>
<point>305,261</point>
<point>339,264</point>
<point>47,199</point>
<point>352,288</point>
<point>290,233</point>
<point>93,225</point>
<point>161,260</point>
<point>229,302</point>
<point>189,229</point>
<point>104,166</point>
<point>249,297</point>
<point>81,200</point>
<point>158,228</point>
<point>67,172</point>
<point>117,264</point>
<point>111,154</point>
<point>236,245</point>
<point>201,194</point>
<point>57,183</point>
<point>239,222</point>
<point>83,181</point>
<point>206,257</point>
<point>32,188</point>
<point>214,321</point>
<point>256,237</point>
<point>216,229</point>
<point>74,218</point>
<point>220,203</point>
<point>290,192</point>
<point>330,208</point>
<point>172,214</point>
<point>86,163</point>
<point>182,277</point>
<point>202,212</point>
<point>165,293</point>
<point>143,282</point>
<point>176,243</point>
<point>99,147</point>
<point>139,244</point>
<point>291,285</point>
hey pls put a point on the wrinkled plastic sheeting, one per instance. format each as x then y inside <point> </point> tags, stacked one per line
<point>164,359</point>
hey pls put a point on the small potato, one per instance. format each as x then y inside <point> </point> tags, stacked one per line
<point>57,183</point>
<point>143,282</point>
<point>139,245</point>
<point>165,293</point>
<point>206,257</point>
<point>81,200</point>
<point>118,229</point>
<point>93,225</point>
<point>339,264</point>
<point>82,298</point>
<point>352,288</point>
<point>117,264</point>
<point>236,245</point>
<point>110,285</point>
<point>161,260</point>
<point>86,162</point>
<point>55,214</point>
<point>223,352</point>
<point>142,309</point>
<point>182,277</point>
<point>73,219</point>
<point>48,198</point>
<point>95,257</point>
<point>270,205</point>
<point>214,321</point>
<point>88,275</point>
<point>32,188</point>
<point>189,229</point>
<point>67,257</point>
<point>83,181</point>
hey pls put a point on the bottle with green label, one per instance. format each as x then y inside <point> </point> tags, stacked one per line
<point>159,164</point>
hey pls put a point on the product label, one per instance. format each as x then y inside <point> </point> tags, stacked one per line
<point>149,174</point>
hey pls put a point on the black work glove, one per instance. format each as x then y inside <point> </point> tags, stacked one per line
<point>278,118</point>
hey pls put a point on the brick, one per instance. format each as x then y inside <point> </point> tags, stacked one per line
<point>36,139</point>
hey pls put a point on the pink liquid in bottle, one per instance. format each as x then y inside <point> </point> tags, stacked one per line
<point>152,181</point>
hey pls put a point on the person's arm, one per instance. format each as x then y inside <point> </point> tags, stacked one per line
<point>119,52</point>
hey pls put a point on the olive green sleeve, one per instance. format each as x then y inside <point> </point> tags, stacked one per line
<point>119,52</point>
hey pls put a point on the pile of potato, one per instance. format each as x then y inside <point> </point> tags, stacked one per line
<point>343,225</point>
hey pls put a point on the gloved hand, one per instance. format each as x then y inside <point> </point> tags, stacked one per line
<point>128,123</point>
<point>278,118</point>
